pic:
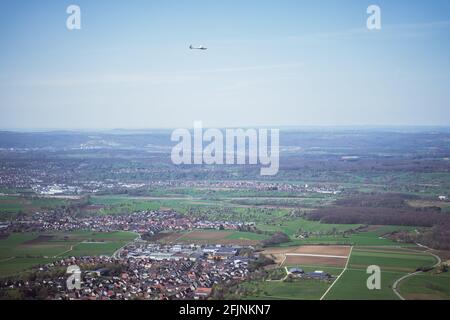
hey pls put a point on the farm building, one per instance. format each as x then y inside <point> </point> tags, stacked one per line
<point>296,271</point>
<point>226,252</point>
<point>318,275</point>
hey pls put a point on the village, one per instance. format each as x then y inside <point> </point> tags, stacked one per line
<point>142,271</point>
<point>143,222</point>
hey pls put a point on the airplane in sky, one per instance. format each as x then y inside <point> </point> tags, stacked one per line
<point>197,48</point>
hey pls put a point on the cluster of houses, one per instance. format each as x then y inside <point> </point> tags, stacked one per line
<point>99,186</point>
<point>143,222</point>
<point>58,180</point>
<point>54,189</point>
<point>249,185</point>
<point>50,179</point>
<point>142,274</point>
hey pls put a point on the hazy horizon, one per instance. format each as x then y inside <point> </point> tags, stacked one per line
<point>304,128</point>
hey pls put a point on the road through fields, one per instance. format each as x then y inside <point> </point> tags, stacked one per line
<point>397,282</point>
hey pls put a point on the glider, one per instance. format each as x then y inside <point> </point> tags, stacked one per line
<point>197,48</point>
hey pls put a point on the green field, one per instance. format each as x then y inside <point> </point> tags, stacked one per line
<point>218,236</point>
<point>280,290</point>
<point>292,226</point>
<point>393,264</point>
<point>21,204</point>
<point>390,261</point>
<point>358,239</point>
<point>352,286</point>
<point>122,204</point>
<point>426,286</point>
<point>25,250</point>
<point>320,236</point>
<point>246,235</point>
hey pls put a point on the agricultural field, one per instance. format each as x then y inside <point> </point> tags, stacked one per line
<point>293,226</point>
<point>19,252</point>
<point>426,286</point>
<point>324,258</point>
<point>330,256</point>
<point>215,237</point>
<point>305,201</point>
<point>372,236</point>
<point>393,262</point>
<point>352,286</point>
<point>12,204</point>
<point>121,204</point>
<point>279,290</point>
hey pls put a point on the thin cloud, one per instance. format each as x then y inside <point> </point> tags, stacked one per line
<point>393,29</point>
<point>157,78</point>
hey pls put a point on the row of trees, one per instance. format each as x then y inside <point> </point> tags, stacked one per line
<point>276,238</point>
<point>390,209</point>
<point>378,216</point>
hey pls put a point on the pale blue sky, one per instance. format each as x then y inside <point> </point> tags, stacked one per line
<point>269,63</point>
